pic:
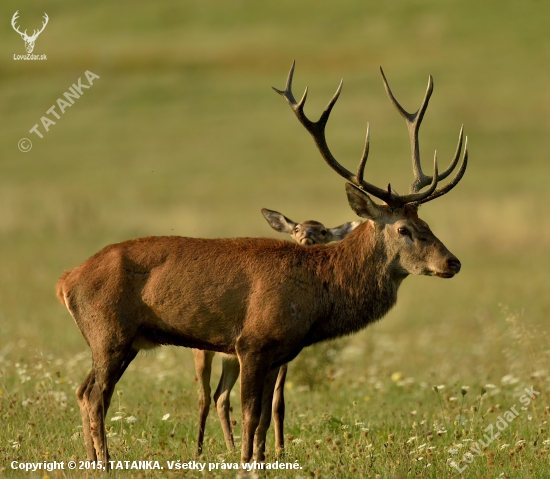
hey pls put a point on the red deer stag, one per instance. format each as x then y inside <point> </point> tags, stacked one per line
<point>306,233</point>
<point>262,299</point>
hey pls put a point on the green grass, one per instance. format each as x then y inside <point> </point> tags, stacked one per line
<point>183,135</point>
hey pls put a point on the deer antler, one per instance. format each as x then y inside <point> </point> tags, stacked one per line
<point>317,131</point>
<point>413,121</point>
<point>13,20</point>
<point>36,33</point>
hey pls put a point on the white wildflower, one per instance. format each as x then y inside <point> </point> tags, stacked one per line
<point>509,379</point>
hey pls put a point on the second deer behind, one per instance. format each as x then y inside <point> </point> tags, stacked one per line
<point>306,233</point>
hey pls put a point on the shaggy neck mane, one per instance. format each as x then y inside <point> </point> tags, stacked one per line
<point>361,288</point>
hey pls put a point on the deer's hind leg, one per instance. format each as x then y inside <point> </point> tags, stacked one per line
<point>96,392</point>
<point>230,373</point>
<point>279,409</point>
<point>80,393</point>
<point>203,367</point>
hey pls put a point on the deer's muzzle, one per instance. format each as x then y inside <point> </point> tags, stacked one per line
<point>452,267</point>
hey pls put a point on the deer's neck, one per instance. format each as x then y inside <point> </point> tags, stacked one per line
<point>362,280</point>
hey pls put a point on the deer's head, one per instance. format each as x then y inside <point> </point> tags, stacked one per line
<point>408,241</point>
<point>409,244</point>
<point>29,40</point>
<point>308,232</point>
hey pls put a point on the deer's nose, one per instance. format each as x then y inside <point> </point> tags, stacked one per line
<point>454,265</point>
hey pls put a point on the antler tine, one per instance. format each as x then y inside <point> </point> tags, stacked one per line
<point>396,201</point>
<point>44,23</point>
<point>454,162</point>
<point>413,121</point>
<point>13,20</point>
<point>287,92</point>
<point>317,131</point>
<point>363,162</point>
<point>449,186</point>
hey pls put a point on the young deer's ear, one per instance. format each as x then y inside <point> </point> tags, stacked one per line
<point>361,203</point>
<point>340,232</point>
<point>278,221</point>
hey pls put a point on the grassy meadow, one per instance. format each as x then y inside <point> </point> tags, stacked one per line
<point>182,135</point>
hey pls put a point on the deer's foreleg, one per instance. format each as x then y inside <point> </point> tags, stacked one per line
<point>265,419</point>
<point>254,370</point>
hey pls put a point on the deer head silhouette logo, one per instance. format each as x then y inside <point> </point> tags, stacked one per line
<point>29,40</point>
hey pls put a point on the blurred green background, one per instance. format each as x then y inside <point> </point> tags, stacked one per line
<point>183,135</point>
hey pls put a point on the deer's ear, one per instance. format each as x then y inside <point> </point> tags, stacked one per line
<point>340,232</point>
<point>278,221</point>
<point>361,203</point>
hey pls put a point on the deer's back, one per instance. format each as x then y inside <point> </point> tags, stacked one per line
<point>173,289</point>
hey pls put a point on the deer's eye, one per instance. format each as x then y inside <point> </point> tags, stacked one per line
<point>324,232</point>
<point>296,230</point>
<point>404,232</point>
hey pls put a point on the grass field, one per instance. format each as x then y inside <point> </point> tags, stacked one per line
<point>182,135</point>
